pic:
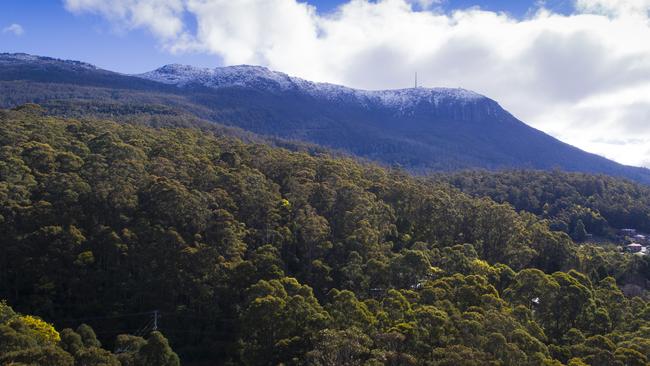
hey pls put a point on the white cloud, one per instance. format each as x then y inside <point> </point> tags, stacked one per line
<point>15,29</point>
<point>425,4</point>
<point>583,77</point>
<point>615,7</point>
<point>162,17</point>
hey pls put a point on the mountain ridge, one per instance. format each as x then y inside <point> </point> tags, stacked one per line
<point>420,129</point>
<point>260,77</point>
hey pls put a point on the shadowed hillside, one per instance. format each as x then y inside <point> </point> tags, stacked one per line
<point>419,129</point>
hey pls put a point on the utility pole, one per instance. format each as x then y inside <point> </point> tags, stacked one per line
<point>155,320</point>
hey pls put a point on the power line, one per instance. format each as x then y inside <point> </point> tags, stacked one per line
<point>155,320</point>
<point>138,333</point>
<point>106,317</point>
<point>151,325</point>
<point>219,319</point>
<point>142,331</point>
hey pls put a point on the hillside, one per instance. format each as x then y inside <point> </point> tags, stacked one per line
<point>258,255</point>
<point>419,129</point>
<point>603,204</point>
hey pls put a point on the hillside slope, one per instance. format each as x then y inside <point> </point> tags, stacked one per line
<point>419,129</point>
<point>602,203</point>
<point>254,255</point>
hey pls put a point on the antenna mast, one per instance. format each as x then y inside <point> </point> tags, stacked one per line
<point>416,80</point>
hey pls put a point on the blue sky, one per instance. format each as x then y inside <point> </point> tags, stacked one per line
<point>51,30</point>
<point>576,69</point>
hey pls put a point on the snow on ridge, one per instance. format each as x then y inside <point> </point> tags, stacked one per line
<point>19,56</point>
<point>220,77</point>
<point>263,78</point>
<point>177,74</point>
<point>12,57</point>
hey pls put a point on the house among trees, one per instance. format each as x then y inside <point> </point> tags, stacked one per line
<point>634,248</point>
<point>628,232</point>
<point>639,238</point>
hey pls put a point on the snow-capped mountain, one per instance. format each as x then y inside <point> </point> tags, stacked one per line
<point>259,77</point>
<point>421,129</point>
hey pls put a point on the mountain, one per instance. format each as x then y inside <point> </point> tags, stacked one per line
<point>420,129</point>
<point>20,66</point>
<point>238,253</point>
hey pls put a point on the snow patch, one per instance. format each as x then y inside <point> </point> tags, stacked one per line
<point>43,61</point>
<point>262,78</point>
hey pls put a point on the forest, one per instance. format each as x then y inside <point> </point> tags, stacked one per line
<point>28,340</point>
<point>602,203</point>
<point>258,255</point>
<point>422,138</point>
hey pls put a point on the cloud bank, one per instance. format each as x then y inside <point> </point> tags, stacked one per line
<point>584,77</point>
<point>15,29</point>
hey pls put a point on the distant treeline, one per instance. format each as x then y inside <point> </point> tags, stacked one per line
<point>602,203</point>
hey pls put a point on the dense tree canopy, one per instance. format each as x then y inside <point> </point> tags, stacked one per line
<point>28,340</point>
<point>258,255</point>
<point>601,203</point>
